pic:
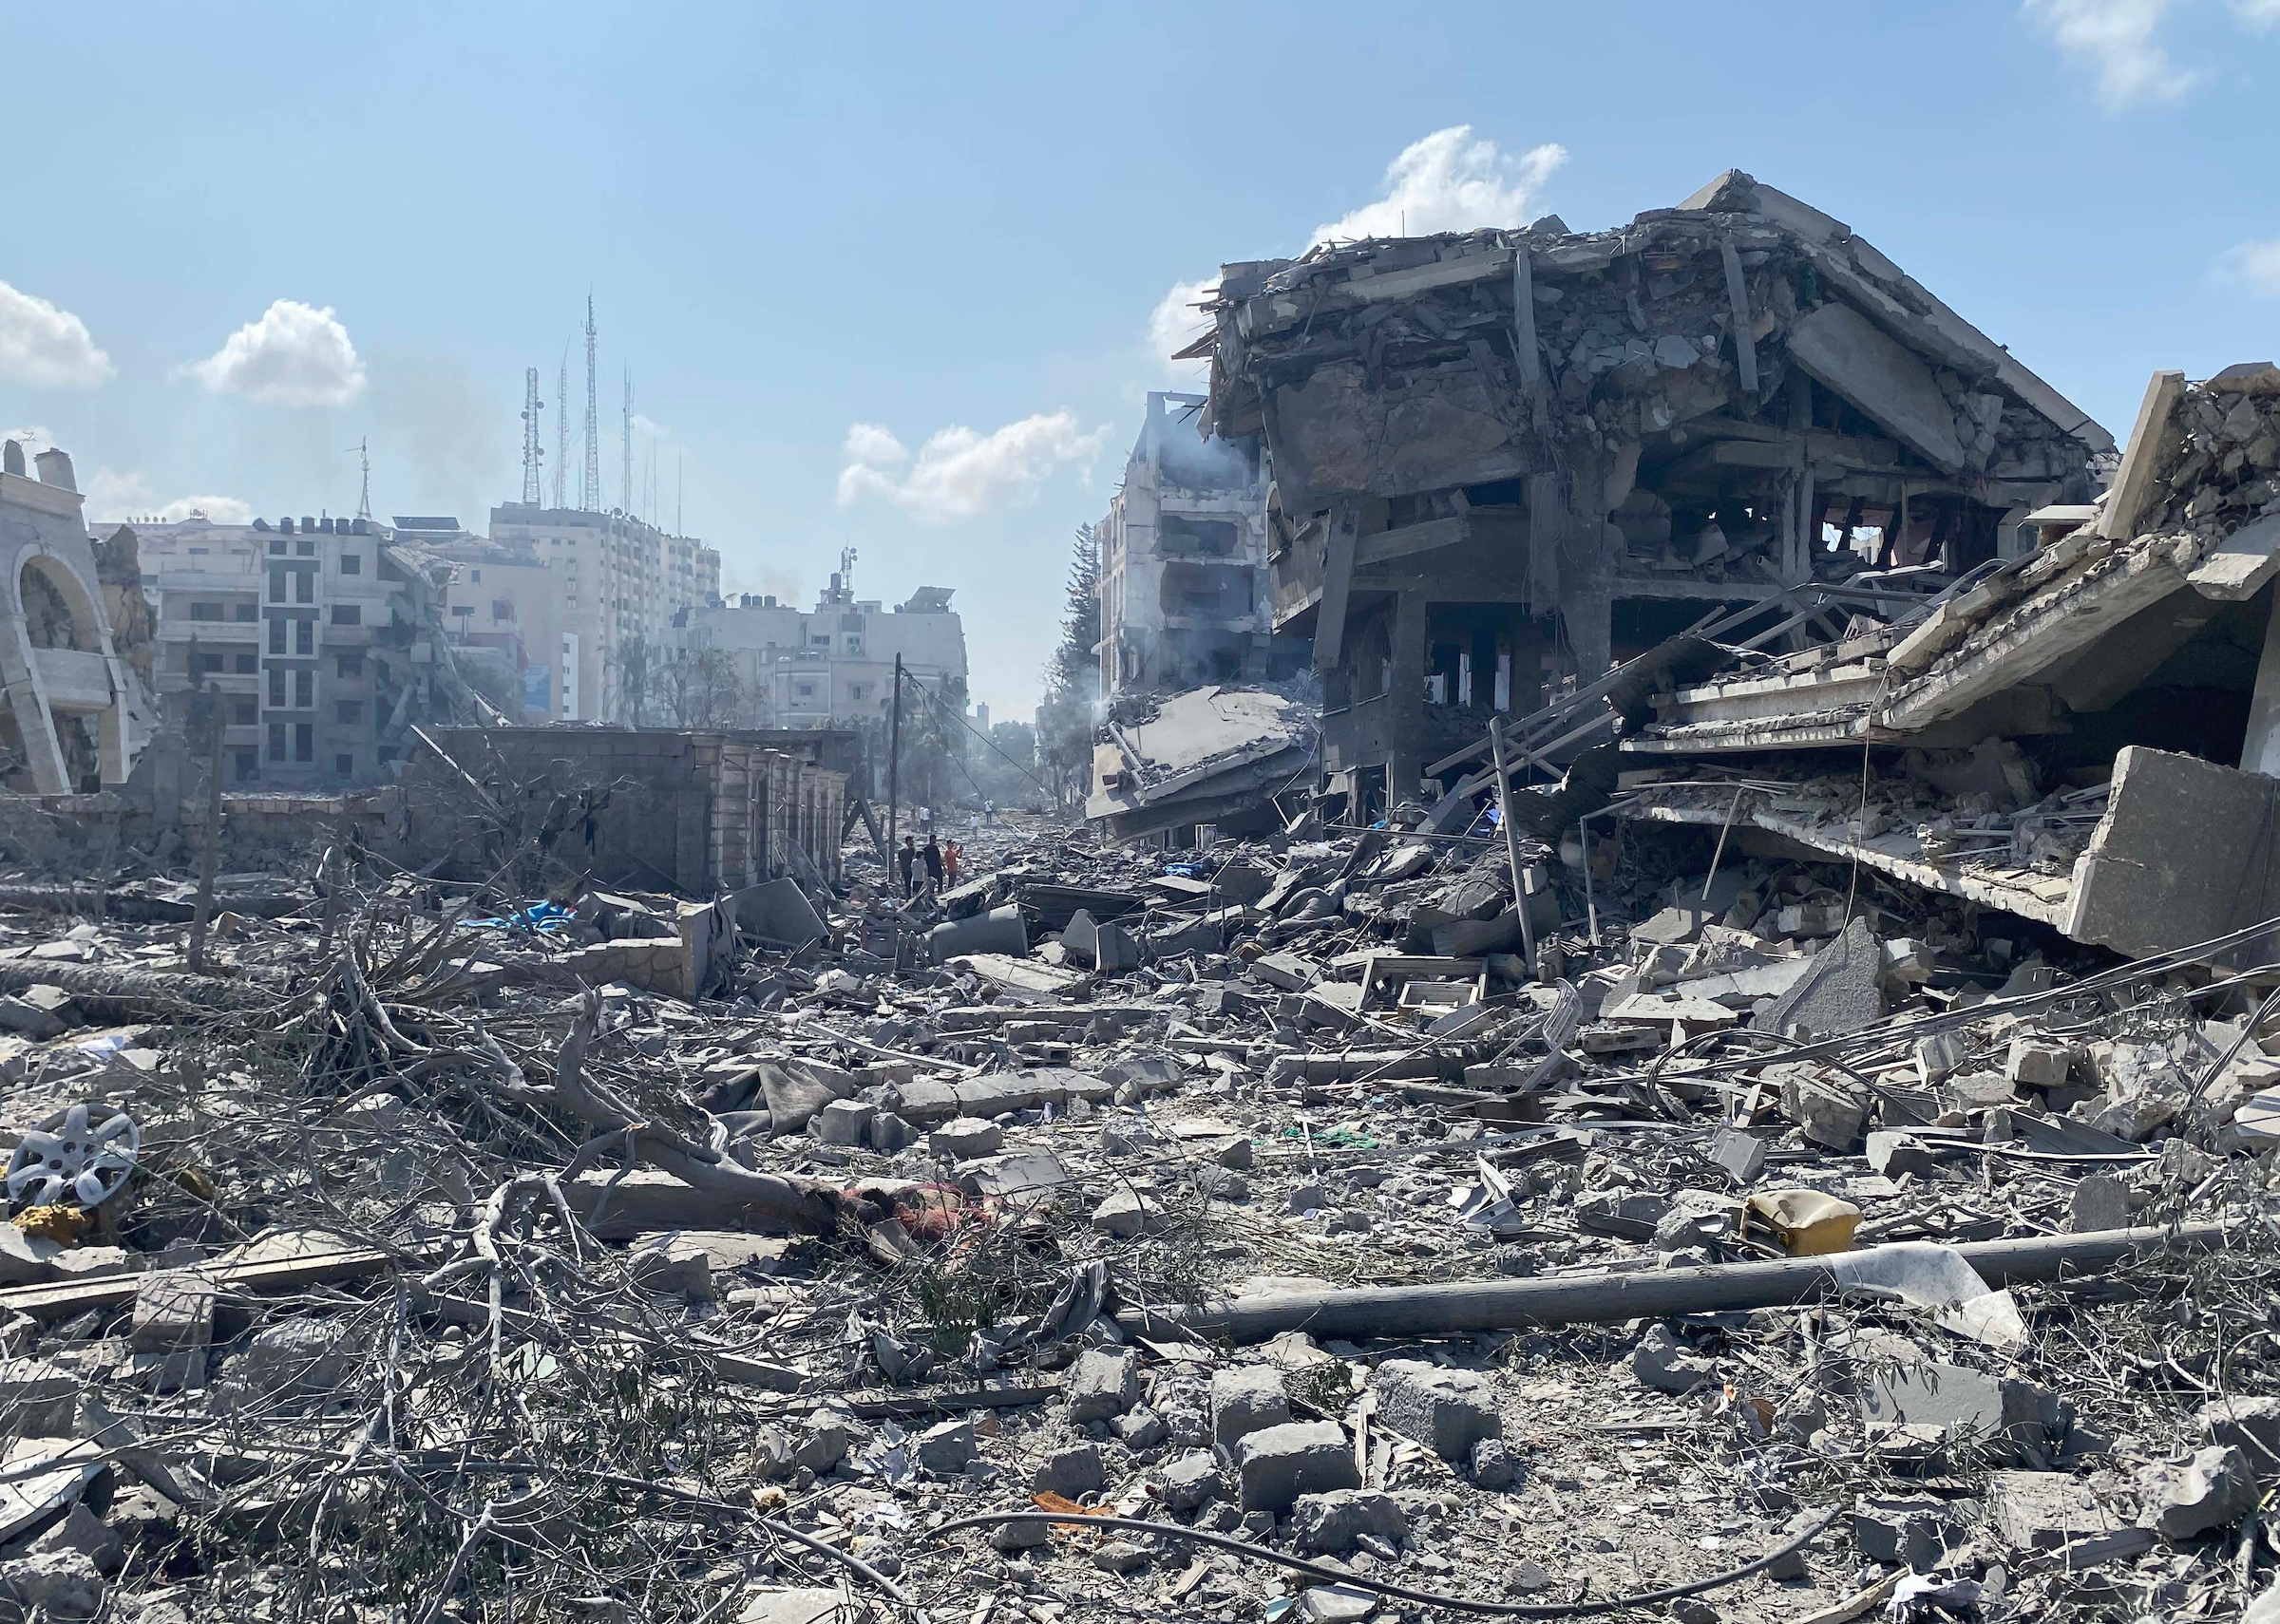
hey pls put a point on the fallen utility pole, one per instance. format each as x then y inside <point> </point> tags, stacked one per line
<point>1511,844</point>
<point>1648,1294</point>
<point>894,770</point>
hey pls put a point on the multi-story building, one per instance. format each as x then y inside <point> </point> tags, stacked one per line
<point>66,725</point>
<point>501,605</point>
<point>1183,560</point>
<point>833,664</point>
<point>613,580</point>
<point>309,632</point>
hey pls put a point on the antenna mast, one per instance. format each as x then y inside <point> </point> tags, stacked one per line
<point>590,498</point>
<point>531,404</point>
<point>562,424</point>
<point>364,503</point>
<point>625,486</point>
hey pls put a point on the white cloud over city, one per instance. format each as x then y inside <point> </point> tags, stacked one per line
<point>960,473</point>
<point>44,347</point>
<point>129,496</point>
<point>293,355</point>
<point>2252,265</point>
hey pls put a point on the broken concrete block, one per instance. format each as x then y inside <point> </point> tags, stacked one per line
<point>2099,1201</point>
<point>1140,1428</point>
<point>1913,1529</point>
<point>842,1122</point>
<point>1964,1410</point>
<point>890,1134</point>
<point>1337,1604</point>
<point>805,1605</point>
<point>1742,1155</point>
<point>37,1399</point>
<point>944,1449</point>
<point>1841,991</point>
<point>2033,1065</point>
<point>1492,1466</point>
<point>1103,1382</point>
<point>2040,1511</point>
<point>1895,1154</point>
<point>55,1584</point>
<point>1337,1520</point>
<point>1008,1536</point>
<point>1829,1115</point>
<point>1939,1056</point>
<point>1073,1470</point>
<point>1128,1214</point>
<point>22,1016</point>
<point>671,1267</point>
<point>2214,1489</point>
<point>1667,1364</point>
<point>174,1309</point>
<point>83,1531</point>
<point>1286,970</point>
<point>961,1139</point>
<point>1189,1481</point>
<point>1120,1557</point>
<point>1276,1465</point>
<point>1447,1411</point>
<point>2249,1424</point>
<point>1244,1399</point>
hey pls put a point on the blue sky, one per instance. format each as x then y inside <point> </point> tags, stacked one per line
<point>951,226</point>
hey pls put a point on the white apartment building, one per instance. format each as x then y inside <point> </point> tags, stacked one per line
<point>835,663</point>
<point>308,629</point>
<point>606,578</point>
<point>1183,560</point>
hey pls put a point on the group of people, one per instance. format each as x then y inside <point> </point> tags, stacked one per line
<point>937,860</point>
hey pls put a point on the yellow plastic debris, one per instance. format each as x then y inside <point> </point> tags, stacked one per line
<point>58,1223</point>
<point>1804,1223</point>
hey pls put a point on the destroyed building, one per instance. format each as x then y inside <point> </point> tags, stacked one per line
<point>1502,460</point>
<point>1183,560</point>
<point>70,724</point>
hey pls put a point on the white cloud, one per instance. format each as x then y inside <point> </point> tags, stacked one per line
<point>2254,265</point>
<point>960,473</point>
<point>647,427</point>
<point>1449,181</point>
<point>295,355</point>
<point>46,348</point>
<point>2257,13</point>
<point>2115,42</point>
<point>114,496</point>
<point>874,445</point>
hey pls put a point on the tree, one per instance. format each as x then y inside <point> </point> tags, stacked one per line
<point>1071,711</point>
<point>934,740</point>
<point>630,679</point>
<point>700,687</point>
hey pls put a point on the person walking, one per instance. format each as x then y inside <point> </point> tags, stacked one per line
<point>952,851</point>
<point>933,854</point>
<point>906,859</point>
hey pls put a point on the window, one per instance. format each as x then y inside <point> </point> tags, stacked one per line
<point>248,664</point>
<point>246,764</point>
<point>277,741</point>
<point>277,635</point>
<point>807,690</point>
<point>277,585</point>
<point>246,612</point>
<point>474,575</point>
<point>276,548</point>
<point>304,637</point>
<point>304,741</point>
<point>306,549</point>
<point>304,690</point>
<point>352,563</point>
<point>502,610</point>
<point>349,711</point>
<point>201,664</point>
<point>244,713</point>
<point>349,665</point>
<point>344,766</point>
<point>277,687</point>
<point>205,611</point>
<point>304,586</point>
<point>348,614</point>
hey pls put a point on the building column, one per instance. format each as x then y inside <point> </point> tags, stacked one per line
<point>28,698</point>
<point>1405,695</point>
<point>2260,749</point>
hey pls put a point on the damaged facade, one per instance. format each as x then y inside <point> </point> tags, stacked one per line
<point>1183,560</point>
<point>71,722</point>
<point>1504,460</point>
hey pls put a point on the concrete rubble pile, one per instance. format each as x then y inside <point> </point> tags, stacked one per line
<point>1327,1225</point>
